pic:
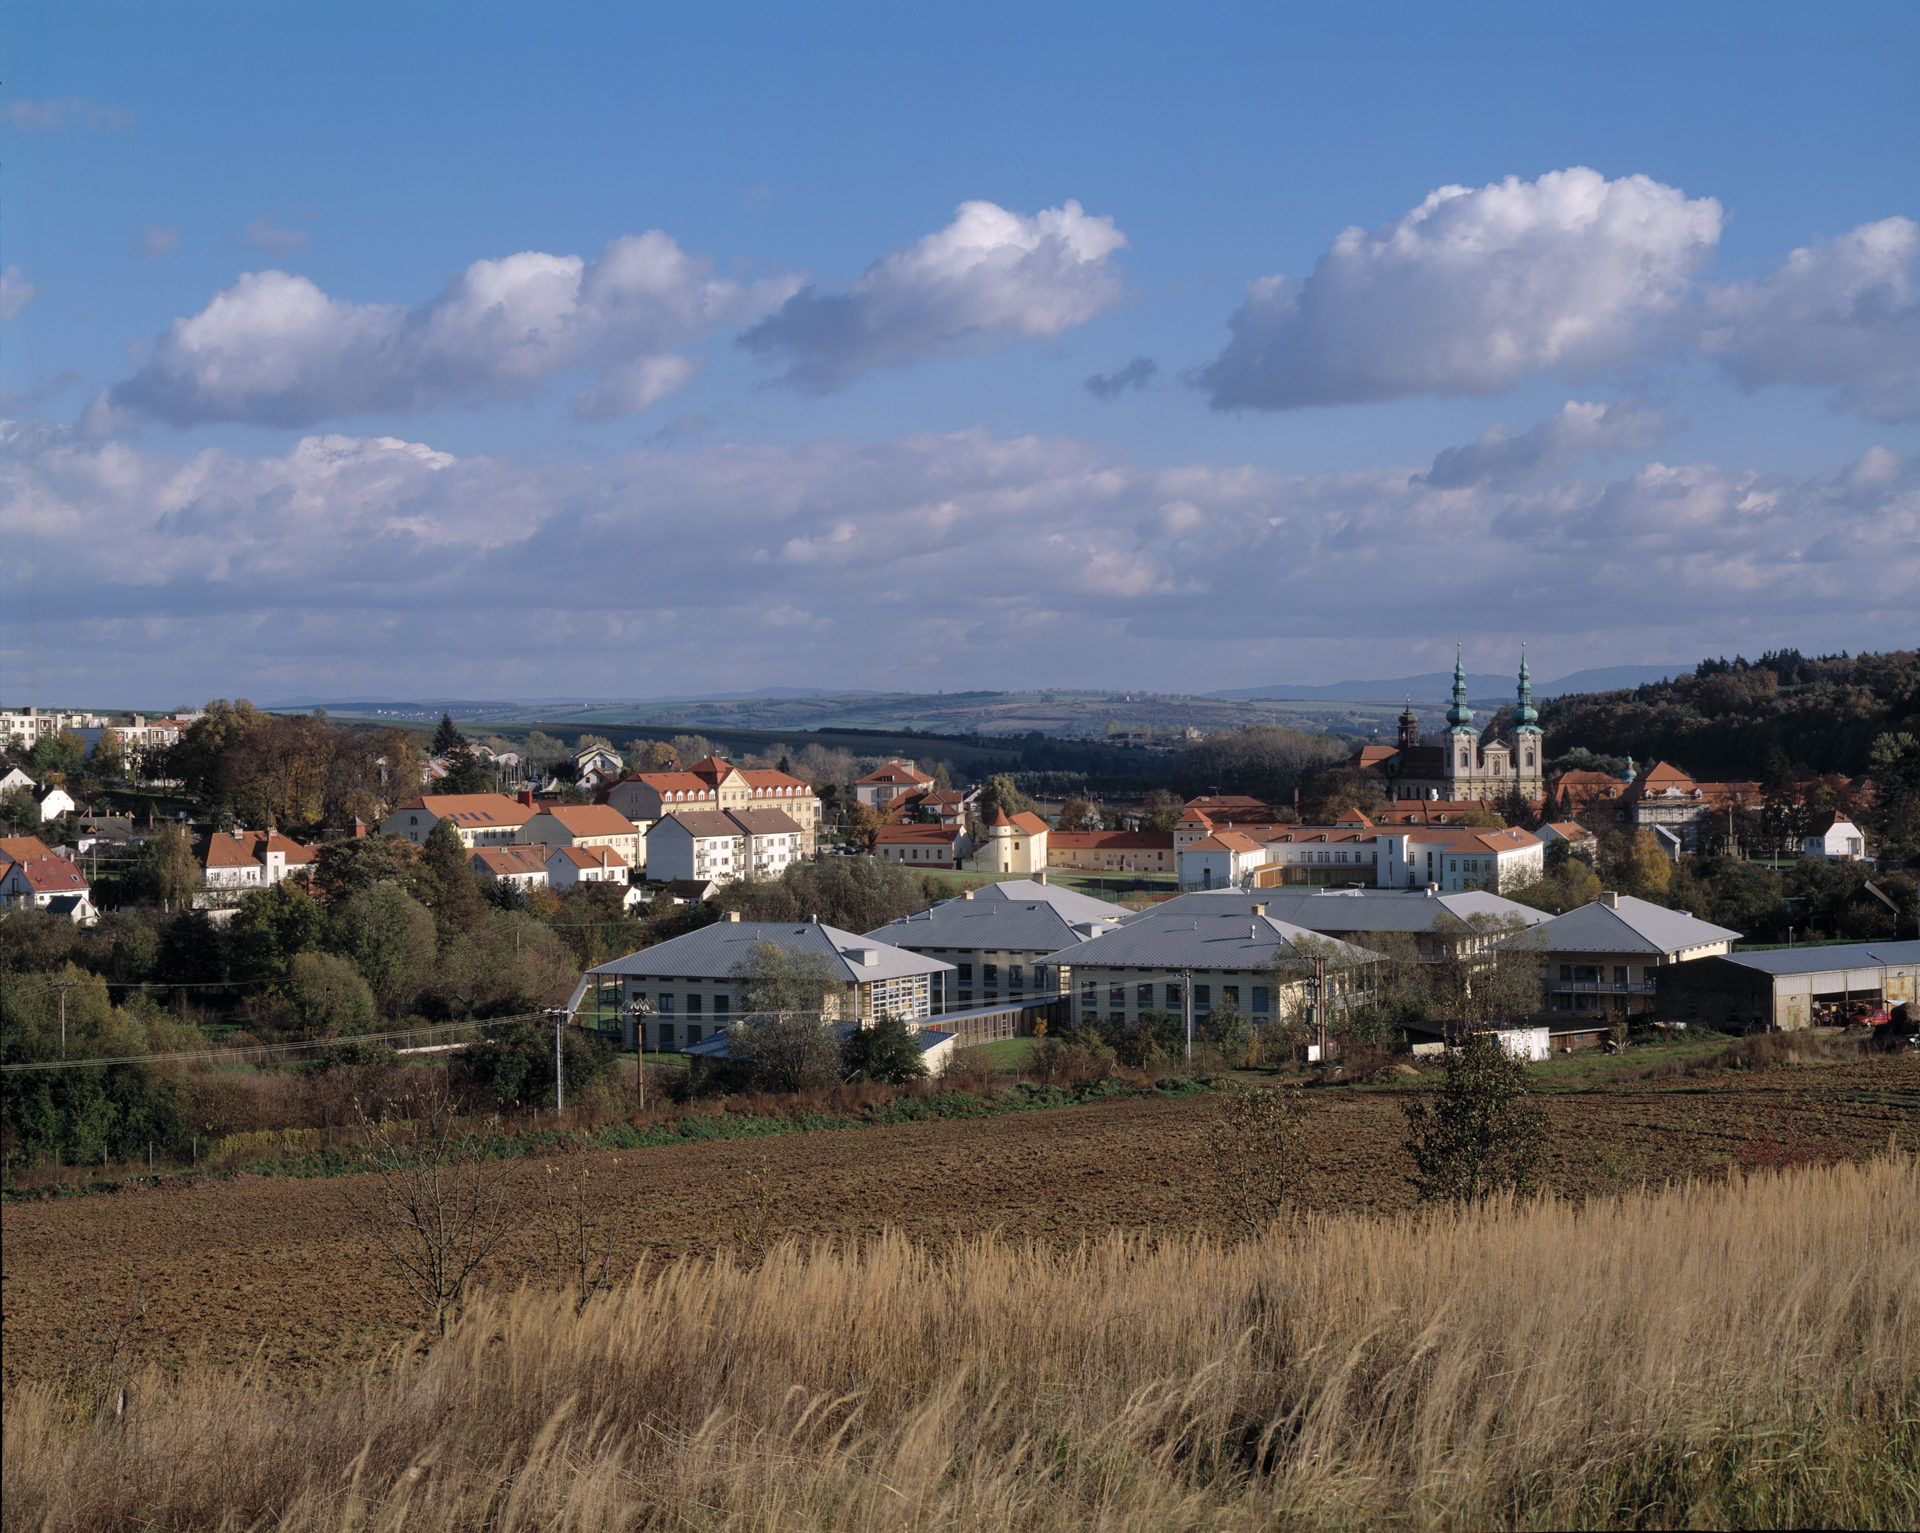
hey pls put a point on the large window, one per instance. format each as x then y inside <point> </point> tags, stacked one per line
<point>1116,995</point>
<point>1144,995</point>
<point>1260,1000</point>
<point>666,1004</point>
<point>990,972</point>
<point>693,1007</point>
<point>1173,997</point>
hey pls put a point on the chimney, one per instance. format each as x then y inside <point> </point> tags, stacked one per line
<point>733,915</point>
<point>526,797</point>
<point>359,826</point>
<point>1040,877</point>
<point>1610,899</point>
<point>1259,910</point>
<point>966,894</point>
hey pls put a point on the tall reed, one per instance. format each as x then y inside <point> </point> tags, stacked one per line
<point>1725,1355</point>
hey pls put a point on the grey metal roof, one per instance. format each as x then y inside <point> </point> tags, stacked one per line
<point>1019,916</point>
<point>714,952</point>
<point>1632,926</point>
<point>1201,938</point>
<point>720,1047</point>
<point>1333,911</point>
<point>1816,960</point>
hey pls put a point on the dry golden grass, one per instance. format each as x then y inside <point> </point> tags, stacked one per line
<point>1741,1355</point>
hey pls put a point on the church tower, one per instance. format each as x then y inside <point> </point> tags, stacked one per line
<point>1529,745</point>
<point>1409,728</point>
<point>1461,740</point>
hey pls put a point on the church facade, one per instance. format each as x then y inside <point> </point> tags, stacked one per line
<point>1459,765</point>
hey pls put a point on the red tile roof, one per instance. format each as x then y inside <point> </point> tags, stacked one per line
<point>917,835</point>
<point>511,861</point>
<point>894,772</point>
<point>469,809</point>
<point>50,875</point>
<point>588,856</point>
<point>1110,840</point>
<point>244,849</point>
<point>590,819</point>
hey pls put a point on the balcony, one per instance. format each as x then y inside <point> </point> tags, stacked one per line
<point>1599,987</point>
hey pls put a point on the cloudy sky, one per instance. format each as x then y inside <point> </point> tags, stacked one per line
<point>605,350</point>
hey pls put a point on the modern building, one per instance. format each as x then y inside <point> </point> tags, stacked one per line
<point>1574,836</point>
<point>1786,989</point>
<point>695,985</point>
<point>1424,924</point>
<point>883,785</point>
<point>482,819</point>
<point>1460,765</point>
<point>1003,940</point>
<point>1604,957</point>
<point>1244,959</point>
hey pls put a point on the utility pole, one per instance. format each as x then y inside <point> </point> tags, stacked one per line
<point>1186,1007</point>
<point>1320,1003</point>
<point>638,1010</point>
<point>559,1015</point>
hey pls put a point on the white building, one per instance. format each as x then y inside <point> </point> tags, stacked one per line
<point>923,846</point>
<point>1839,842</point>
<point>252,859</point>
<point>482,819</point>
<point>716,844</point>
<point>1224,860</point>
<point>570,865</point>
<point>880,787</point>
<point>587,825</point>
<point>56,802</point>
<point>518,867</point>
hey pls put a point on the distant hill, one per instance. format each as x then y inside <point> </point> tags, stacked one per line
<point>1437,686</point>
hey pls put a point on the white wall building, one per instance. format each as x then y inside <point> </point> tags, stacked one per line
<point>1841,841</point>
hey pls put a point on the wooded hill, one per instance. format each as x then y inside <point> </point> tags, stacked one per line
<point>1721,722</point>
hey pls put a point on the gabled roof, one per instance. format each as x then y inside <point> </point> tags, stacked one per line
<point>765,820</point>
<point>714,952</point>
<point>1031,823</point>
<point>589,819</point>
<point>1817,960</point>
<point>49,875</point>
<point>1019,916</point>
<point>245,849</point>
<point>759,777</point>
<point>1201,937</point>
<point>1353,911</point>
<point>20,848</point>
<point>1569,830</point>
<point>1467,838</point>
<point>894,772</point>
<point>1630,926</point>
<point>472,809</point>
<point>917,835</point>
<point>702,824</point>
<point>510,861</point>
<point>1225,841</point>
<point>587,857</point>
<point>1110,840</point>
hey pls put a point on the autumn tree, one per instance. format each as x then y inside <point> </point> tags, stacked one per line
<point>1077,814</point>
<point>1633,862</point>
<point>863,826</point>
<point>447,882</point>
<point>166,870</point>
<point>1480,1134</point>
<point>786,1034</point>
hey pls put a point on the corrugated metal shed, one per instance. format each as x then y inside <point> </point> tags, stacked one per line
<point>1819,960</point>
<point>1035,919</point>
<point>1356,910</point>
<point>716,951</point>
<point>1172,938</point>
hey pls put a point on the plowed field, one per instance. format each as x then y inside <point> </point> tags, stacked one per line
<point>281,1271</point>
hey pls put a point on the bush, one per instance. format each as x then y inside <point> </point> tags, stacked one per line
<point>514,1067</point>
<point>1481,1136</point>
<point>887,1051</point>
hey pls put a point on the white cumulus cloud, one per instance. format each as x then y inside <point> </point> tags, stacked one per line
<point>274,349</point>
<point>1842,316</point>
<point>378,564</point>
<point>1471,292</point>
<point>1504,461</point>
<point>988,276</point>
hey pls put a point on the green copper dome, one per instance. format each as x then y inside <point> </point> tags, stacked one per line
<point>1525,715</point>
<point>1459,716</point>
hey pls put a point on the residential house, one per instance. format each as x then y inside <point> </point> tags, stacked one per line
<point>32,877</point>
<point>1201,817</point>
<point>14,781</point>
<point>518,867</point>
<point>586,825</point>
<point>1013,844</point>
<point>712,784</point>
<point>1603,957</point>
<point>482,819</point>
<point>1790,988</point>
<point>1841,841</point>
<point>252,859</point>
<point>145,743</point>
<point>56,802</point>
<point>736,843</point>
<point>1570,834</point>
<point>1238,958</point>
<point>1112,851</point>
<point>695,985</point>
<point>570,865</point>
<point>884,784</point>
<point>1003,940</point>
<point>922,846</point>
<point>27,729</point>
<point>929,806</point>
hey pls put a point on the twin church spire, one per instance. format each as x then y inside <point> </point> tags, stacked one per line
<point>1526,717</point>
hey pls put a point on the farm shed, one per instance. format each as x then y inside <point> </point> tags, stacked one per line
<point>1788,988</point>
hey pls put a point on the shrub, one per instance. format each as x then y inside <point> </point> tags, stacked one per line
<point>1481,1135</point>
<point>887,1051</point>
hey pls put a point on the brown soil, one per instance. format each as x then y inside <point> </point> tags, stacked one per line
<point>280,1271</point>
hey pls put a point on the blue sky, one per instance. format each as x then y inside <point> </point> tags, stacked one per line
<point>775,367</point>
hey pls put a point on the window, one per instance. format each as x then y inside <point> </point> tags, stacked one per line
<point>1566,971</point>
<point>990,972</point>
<point>693,1006</point>
<point>1014,979</point>
<point>1203,997</point>
<point>966,974</point>
<point>1145,995</point>
<point>722,1005</point>
<point>693,1034</point>
<point>966,997</point>
<point>664,1032</point>
<point>1089,989</point>
<point>1260,999</point>
<point>666,1005</point>
<point>1230,996</point>
<point>1116,995</point>
<point>1117,1019</point>
<point>1619,974</point>
<point>1173,997</point>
